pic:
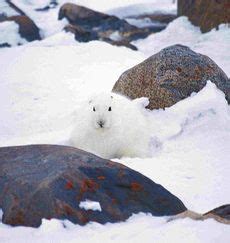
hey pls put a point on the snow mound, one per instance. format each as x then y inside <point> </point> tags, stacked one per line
<point>90,205</point>
<point>147,7</point>
<point>215,44</point>
<point>41,86</point>
<point>193,160</point>
<point>137,228</point>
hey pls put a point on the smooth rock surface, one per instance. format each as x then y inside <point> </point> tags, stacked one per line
<point>50,181</point>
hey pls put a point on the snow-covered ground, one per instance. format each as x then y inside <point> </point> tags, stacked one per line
<point>41,84</point>
<point>138,228</point>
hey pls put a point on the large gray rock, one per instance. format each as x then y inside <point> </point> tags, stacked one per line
<point>48,181</point>
<point>170,76</point>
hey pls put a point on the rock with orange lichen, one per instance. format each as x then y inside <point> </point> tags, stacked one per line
<point>50,181</point>
<point>171,75</point>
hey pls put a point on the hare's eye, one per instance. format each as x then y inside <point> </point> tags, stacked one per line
<point>110,109</point>
<point>94,109</point>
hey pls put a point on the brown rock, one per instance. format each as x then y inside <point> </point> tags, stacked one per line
<point>170,76</point>
<point>125,43</point>
<point>88,25</point>
<point>207,14</point>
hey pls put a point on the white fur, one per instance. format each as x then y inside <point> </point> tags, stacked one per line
<point>125,129</point>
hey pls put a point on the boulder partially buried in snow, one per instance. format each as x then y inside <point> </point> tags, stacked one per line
<point>48,181</point>
<point>171,75</point>
<point>88,25</point>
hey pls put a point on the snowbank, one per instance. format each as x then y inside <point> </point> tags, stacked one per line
<point>40,86</point>
<point>144,7</point>
<point>137,229</point>
<point>122,8</point>
<point>193,161</point>
<point>215,44</point>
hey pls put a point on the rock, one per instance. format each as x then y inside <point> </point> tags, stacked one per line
<point>53,4</point>
<point>171,75</point>
<point>3,45</point>
<point>222,212</point>
<point>27,28</point>
<point>89,19</point>
<point>205,13</point>
<point>48,181</point>
<point>99,26</point>
<point>88,25</point>
<point>120,43</point>
<point>81,34</point>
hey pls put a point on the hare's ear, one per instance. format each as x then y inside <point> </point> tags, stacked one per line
<point>90,101</point>
<point>111,97</point>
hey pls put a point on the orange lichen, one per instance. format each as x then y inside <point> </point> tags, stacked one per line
<point>69,185</point>
<point>89,185</point>
<point>136,187</point>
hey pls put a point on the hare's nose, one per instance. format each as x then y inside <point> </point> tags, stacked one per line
<point>101,123</point>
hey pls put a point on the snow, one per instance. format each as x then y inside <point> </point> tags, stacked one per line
<point>138,228</point>
<point>90,205</point>
<point>47,21</point>
<point>149,7</point>
<point>6,9</point>
<point>9,34</point>
<point>122,8</point>
<point>44,83</point>
<point>41,84</point>
<point>145,22</point>
<point>195,152</point>
<point>1,214</point>
<point>215,44</point>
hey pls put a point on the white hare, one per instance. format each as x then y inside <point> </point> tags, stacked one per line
<point>111,126</point>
